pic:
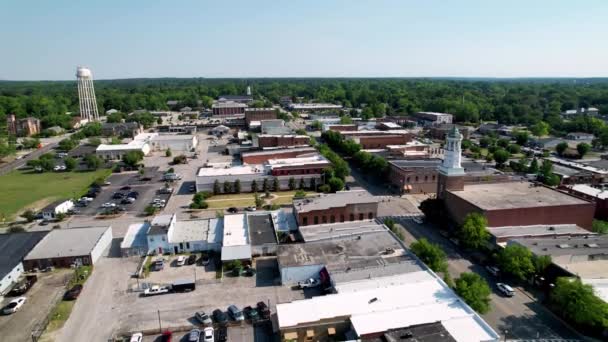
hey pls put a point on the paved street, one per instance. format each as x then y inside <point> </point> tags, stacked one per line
<point>518,317</point>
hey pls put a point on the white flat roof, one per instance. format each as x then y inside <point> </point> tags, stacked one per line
<point>385,303</point>
<point>188,231</point>
<point>236,232</point>
<point>590,191</point>
<point>316,159</point>
<point>231,171</point>
<point>600,287</point>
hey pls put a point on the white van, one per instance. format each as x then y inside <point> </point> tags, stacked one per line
<point>505,289</point>
<point>181,260</point>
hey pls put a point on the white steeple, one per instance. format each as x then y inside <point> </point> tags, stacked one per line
<point>452,154</point>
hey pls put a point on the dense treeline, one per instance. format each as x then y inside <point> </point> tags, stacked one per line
<point>508,101</point>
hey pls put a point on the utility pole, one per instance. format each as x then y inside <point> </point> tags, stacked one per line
<point>160,328</point>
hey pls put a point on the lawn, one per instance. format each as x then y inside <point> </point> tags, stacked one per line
<point>21,190</point>
<point>247,199</point>
<point>60,315</point>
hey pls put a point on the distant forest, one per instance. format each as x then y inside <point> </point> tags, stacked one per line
<point>509,101</point>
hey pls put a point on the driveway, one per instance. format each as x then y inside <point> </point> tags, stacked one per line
<point>41,298</point>
<point>518,317</point>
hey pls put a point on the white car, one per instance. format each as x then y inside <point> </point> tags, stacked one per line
<point>181,260</point>
<point>14,305</point>
<point>137,337</point>
<point>505,289</point>
<point>57,168</point>
<point>208,334</point>
<point>108,205</point>
<point>156,290</point>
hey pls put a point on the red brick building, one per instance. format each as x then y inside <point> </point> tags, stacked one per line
<point>261,157</point>
<point>268,140</point>
<point>342,127</point>
<point>339,207</point>
<point>519,204</point>
<point>22,127</point>
<point>381,141</point>
<point>259,114</point>
<point>298,166</point>
<point>595,195</point>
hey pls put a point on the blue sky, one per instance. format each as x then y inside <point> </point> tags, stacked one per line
<point>474,38</point>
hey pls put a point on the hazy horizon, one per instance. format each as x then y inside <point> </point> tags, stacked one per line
<point>312,39</point>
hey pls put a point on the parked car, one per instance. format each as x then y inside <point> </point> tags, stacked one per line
<point>202,317</point>
<point>208,334</point>
<point>181,260</point>
<point>309,283</point>
<point>219,316</point>
<point>133,194</point>
<point>118,195</point>
<point>194,335</point>
<point>73,293</point>
<point>493,270</point>
<point>159,264</point>
<point>251,208</point>
<point>14,305</point>
<point>191,259</point>
<point>505,289</point>
<point>127,200</point>
<point>23,286</point>
<point>263,310</point>
<point>235,313</point>
<point>108,205</point>
<point>205,260</point>
<point>137,337</point>
<point>232,210</point>
<point>167,336</point>
<point>156,290</point>
<point>165,190</point>
<point>125,188</point>
<point>251,313</point>
<point>222,334</point>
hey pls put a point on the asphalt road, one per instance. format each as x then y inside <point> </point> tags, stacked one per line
<point>518,317</point>
<point>15,164</point>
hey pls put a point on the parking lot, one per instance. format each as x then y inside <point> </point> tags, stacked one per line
<point>107,298</point>
<point>171,272</point>
<point>40,300</point>
<point>125,183</point>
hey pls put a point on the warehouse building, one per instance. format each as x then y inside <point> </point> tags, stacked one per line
<point>67,247</point>
<point>261,157</point>
<point>236,244</point>
<point>13,248</point>
<point>370,309</point>
<point>433,118</point>
<point>281,140</point>
<point>51,211</point>
<point>356,205</point>
<point>140,142</point>
<point>174,142</point>
<point>166,234</point>
<point>262,233</point>
<point>259,114</point>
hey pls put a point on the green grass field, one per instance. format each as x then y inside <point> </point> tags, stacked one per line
<point>21,190</point>
<point>247,199</point>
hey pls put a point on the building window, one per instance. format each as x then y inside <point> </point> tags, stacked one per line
<point>163,238</point>
<point>316,220</point>
<point>332,219</point>
<point>188,243</point>
<point>370,216</point>
<point>151,239</point>
<point>361,217</point>
<point>426,178</point>
<point>324,219</point>
<point>407,179</point>
<point>305,221</point>
<point>341,217</point>
<point>352,217</point>
<point>433,177</point>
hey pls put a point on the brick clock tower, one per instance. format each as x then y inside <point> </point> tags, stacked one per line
<point>451,173</point>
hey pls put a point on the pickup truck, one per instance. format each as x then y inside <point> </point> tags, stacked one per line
<point>156,290</point>
<point>309,283</point>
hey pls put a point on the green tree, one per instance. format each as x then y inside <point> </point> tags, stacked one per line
<point>345,120</point>
<point>474,290</point>
<point>216,187</point>
<point>501,156</point>
<point>67,144</point>
<point>132,158</point>
<point>514,149</point>
<point>473,233</point>
<point>541,263</point>
<point>168,152</point>
<point>254,186</point>
<point>600,227</point>
<point>325,188</point>
<point>540,129</point>
<point>578,303</point>
<point>313,184</point>
<point>561,148</point>
<point>292,183</point>
<point>275,184</point>
<point>583,148</point>
<point>486,142</point>
<point>227,187</point>
<point>29,215</point>
<point>466,144</point>
<point>521,138</point>
<point>516,260</point>
<point>70,163</point>
<point>265,186</point>
<point>299,194</point>
<point>15,229</point>
<point>432,255</point>
<point>94,141</point>
<point>301,185</point>
<point>533,168</point>
<point>92,161</point>
<point>237,186</point>
<point>390,223</point>
<point>335,184</point>
<point>150,210</point>
<point>504,143</point>
<point>258,200</point>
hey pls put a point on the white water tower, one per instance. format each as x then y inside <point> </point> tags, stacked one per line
<point>86,95</point>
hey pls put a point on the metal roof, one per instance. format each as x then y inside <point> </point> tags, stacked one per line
<point>339,199</point>
<point>14,247</point>
<point>61,243</point>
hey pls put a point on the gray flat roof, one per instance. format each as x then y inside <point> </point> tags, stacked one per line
<point>339,199</point>
<point>60,243</point>
<point>14,247</point>
<point>337,230</point>
<point>429,332</point>
<point>348,254</point>
<point>469,166</point>
<point>537,230</point>
<point>568,246</point>
<point>261,230</point>
<point>281,150</point>
<point>512,195</point>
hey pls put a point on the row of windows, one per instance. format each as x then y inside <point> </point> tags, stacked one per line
<point>416,178</point>
<point>332,218</point>
<point>296,172</point>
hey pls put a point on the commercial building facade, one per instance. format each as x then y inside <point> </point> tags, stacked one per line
<point>285,140</point>
<point>433,118</point>
<point>228,108</point>
<point>259,114</point>
<point>13,248</point>
<point>261,157</point>
<point>342,206</point>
